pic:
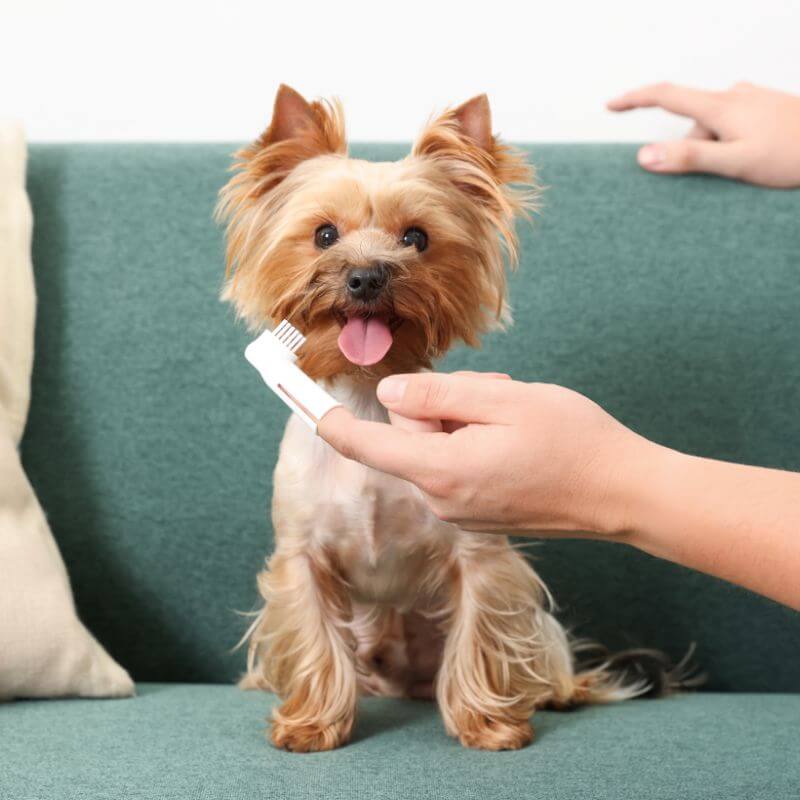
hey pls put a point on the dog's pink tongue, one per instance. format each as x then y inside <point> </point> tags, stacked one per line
<point>365,341</point>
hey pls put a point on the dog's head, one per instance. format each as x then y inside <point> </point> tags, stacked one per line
<point>383,266</point>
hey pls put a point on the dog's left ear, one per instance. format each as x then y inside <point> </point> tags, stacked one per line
<point>298,131</point>
<point>474,118</point>
<point>477,162</point>
<point>315,128</point>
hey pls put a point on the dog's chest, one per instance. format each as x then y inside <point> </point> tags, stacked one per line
<point>378,527</point>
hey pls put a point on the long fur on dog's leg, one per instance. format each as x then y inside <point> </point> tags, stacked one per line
<point>299,648</point>
<point>503,651</point>
<point>506,655</point>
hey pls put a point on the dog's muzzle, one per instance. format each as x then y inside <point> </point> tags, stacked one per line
<point>366,284</point>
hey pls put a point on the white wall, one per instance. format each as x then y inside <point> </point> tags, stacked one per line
<point>99,69</point>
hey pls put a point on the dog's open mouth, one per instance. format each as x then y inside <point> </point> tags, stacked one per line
<point>366,339</point>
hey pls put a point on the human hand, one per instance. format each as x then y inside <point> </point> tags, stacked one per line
<point>497,454</point>
<point>746,132</point>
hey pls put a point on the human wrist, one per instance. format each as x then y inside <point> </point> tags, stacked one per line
<point>649,500</point>
<point>639,479</point>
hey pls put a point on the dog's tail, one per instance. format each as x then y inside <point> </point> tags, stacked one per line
<point>603,677</point>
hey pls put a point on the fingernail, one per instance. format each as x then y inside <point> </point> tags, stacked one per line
<point>651,155</point>
<point>392,389</point>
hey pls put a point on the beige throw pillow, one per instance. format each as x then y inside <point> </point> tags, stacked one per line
<point>45,651</point>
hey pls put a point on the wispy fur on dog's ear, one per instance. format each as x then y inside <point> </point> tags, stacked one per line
<point>475,120</point>
<point>299,130</point>
<point>317,127</point>
<point>478,163</point>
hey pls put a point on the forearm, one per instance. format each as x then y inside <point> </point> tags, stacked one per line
<point>737,522</point>
<point>542,460</point>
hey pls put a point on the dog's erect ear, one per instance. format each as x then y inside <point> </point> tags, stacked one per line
<point>299,130</point>
<point>291,115</point>
<point>319,125</point>
<point>475,120</point>
<point>476,162</point>
<point>461,140</point>
<point>469,125</point>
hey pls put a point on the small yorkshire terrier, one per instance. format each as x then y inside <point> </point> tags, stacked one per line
<point>384,266</point>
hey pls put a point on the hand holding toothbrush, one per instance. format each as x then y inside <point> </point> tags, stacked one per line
<point>492,454</point>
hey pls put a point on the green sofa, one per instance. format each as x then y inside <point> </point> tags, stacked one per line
<point>674,302</point>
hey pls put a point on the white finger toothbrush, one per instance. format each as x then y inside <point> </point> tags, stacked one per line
<point>273,355</point>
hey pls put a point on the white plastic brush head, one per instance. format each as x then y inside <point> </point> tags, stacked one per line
<point>289,336</point>
<point>273,354</point>
<point>282,342</point>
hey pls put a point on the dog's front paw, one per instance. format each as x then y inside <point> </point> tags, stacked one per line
<point>496,734</point>
<point>309,736</point>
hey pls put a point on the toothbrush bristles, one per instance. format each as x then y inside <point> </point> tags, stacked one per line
<point>289,336</point>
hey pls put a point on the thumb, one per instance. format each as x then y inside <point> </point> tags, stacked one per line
<point>693,155</point>
<point>434,396</point>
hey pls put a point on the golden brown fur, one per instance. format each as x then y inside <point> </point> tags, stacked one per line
<point>285,188</point>
<point>367,591</point>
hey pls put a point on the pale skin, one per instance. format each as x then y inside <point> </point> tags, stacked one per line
<point>493,454</point>
<point>746,132</point>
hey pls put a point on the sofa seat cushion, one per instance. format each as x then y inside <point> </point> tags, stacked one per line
<point>206,741</point>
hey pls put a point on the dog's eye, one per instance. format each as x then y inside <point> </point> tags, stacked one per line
<point>325,236</point>
<point>415,237</point>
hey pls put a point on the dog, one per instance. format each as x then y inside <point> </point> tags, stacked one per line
<point>384,267</point>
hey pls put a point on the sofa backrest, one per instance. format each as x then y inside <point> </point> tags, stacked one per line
<point>674,302</point>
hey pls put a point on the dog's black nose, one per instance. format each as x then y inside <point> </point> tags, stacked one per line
<point>366,283</point>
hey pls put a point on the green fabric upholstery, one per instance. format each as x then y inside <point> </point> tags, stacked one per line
<point>181,741</point>
<point>674,302</point>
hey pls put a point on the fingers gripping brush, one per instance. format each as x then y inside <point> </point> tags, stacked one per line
<point>273,355</point>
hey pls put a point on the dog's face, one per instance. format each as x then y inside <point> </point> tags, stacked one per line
<point>383,266</point>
